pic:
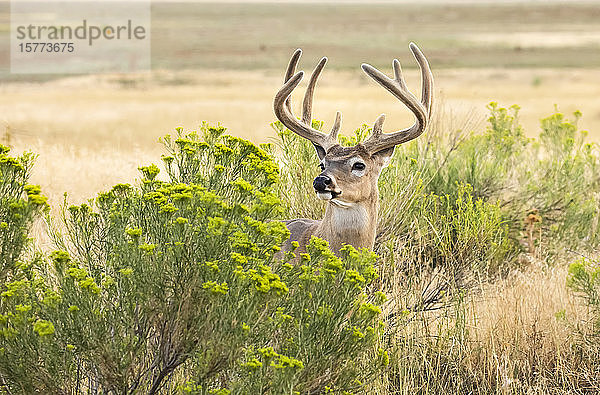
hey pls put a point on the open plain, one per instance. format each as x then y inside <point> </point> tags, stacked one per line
<point>223,63</point>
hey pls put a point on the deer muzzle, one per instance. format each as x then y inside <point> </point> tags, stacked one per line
<point>324,187</point>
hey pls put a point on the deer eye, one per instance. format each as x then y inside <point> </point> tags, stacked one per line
<point>358,166</point>
<point>321,166</point>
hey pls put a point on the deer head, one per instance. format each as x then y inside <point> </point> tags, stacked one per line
<point>349,174</point>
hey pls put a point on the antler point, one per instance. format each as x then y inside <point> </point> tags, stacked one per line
<point>299,74</point>
<point>416,50</point>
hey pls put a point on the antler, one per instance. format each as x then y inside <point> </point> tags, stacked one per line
<point>283,108</point>
<point>397,87</point>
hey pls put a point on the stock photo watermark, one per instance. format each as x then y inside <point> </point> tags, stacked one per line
<point>58,37</point>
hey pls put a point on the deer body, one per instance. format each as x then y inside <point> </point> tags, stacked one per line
<point>348,181</point>
<point>354,224</point>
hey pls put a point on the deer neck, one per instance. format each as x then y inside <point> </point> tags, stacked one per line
<point>349,223</point>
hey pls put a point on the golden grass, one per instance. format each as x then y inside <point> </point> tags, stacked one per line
<point>518,335</point>
<point>135,109</point>
<point>93,131</point>
<point>526,323</point>
<point>81,172</point>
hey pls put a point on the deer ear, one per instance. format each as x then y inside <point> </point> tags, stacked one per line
<point>320,151</point>
<point>384,156</point>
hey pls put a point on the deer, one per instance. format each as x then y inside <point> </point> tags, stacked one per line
<point>349,175</point>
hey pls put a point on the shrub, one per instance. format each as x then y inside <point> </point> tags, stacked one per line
<point>22,333</point>
<point>20,204</point>
<point>176,284</point>
<point>490,162</point>
<point>458,208</point>
<point>584,280</point>
<point>563,186</point>
<point>547,187</point>
<point>173,285</point>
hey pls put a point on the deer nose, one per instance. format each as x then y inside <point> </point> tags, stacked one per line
<point>320,183</point>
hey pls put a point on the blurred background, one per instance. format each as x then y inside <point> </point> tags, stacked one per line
<point>223,62</point>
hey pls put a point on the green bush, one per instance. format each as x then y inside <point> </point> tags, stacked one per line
<point>584,280</point>
<point>20,204</point>
<point>563,185</point>
<point>172,285</point>
<point>489,162</point>
<point>546,187</point>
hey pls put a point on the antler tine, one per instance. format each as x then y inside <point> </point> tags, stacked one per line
<point>310,90</point>
<point>291,70</point>
<point>283,111</point>
<point>397,87</point>
<point>426,77</point>
<point>285,115</point>
<point>378,126</point>
<point>398,74</point>
<point>335,129</point>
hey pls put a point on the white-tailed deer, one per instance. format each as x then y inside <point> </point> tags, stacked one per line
<point>348,180</point>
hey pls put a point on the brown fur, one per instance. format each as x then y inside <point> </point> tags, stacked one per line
<point>352,195</point>
<point>355,224</point>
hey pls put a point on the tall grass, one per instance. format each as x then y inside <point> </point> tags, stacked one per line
<point>537,203</point>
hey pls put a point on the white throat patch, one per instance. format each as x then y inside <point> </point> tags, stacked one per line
<point>353,216</point>
<point>325,195</point>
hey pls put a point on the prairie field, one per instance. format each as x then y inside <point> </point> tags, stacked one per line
<point>224,62</point>
<point>521,330</point>
<point>77,123</point>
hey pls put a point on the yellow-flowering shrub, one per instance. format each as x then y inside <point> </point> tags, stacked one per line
<point>172,285</point>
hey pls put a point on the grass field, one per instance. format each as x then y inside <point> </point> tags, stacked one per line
<point>262,35</point>
<point>224,63</point>
<point>75,124</point>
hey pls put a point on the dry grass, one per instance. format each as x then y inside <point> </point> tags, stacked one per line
<point>107,131</point>
<point>526,325</point>
<point>113,122</point>
<point>81,172</point>
<point>519,335</point>
<point>93,131</point>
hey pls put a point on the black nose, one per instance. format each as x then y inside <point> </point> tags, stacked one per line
<point>320,183</point>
